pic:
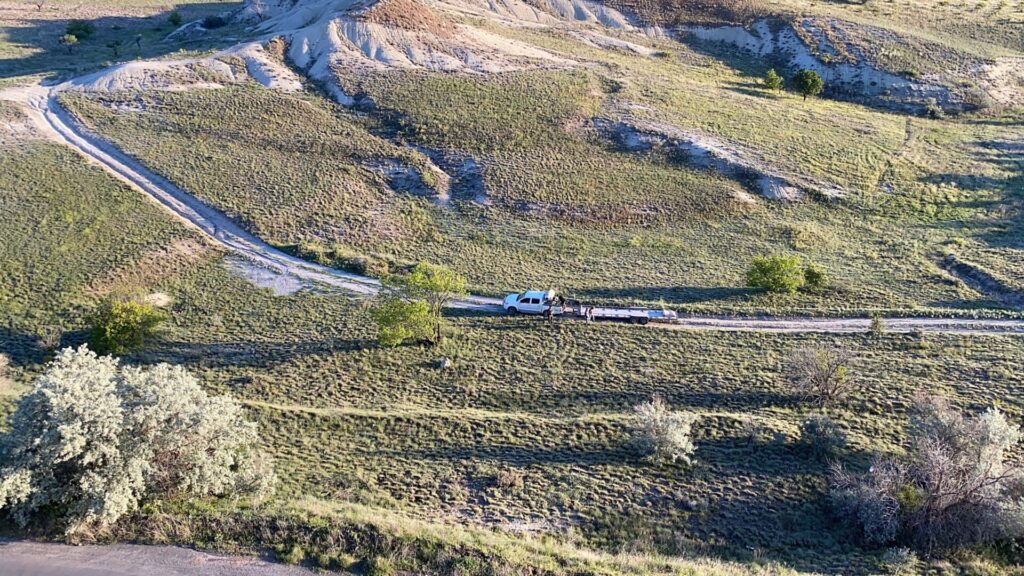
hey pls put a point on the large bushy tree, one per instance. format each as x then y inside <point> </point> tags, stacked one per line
<point>954,488</point>
<point>418,297</point>
<point>93,440</point>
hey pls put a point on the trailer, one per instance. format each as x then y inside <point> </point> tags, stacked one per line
<point>549,304</point>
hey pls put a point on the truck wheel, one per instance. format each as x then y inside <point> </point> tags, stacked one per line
<point>512,311</point>
<point>644,321</point>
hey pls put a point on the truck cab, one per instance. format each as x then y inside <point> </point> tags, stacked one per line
<point>530,302</point>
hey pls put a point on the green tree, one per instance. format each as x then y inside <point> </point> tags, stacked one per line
<point>400,321</point>
<point>772,80</point>
<point>815,279</point>
<point>93,441</point>
<point>80,29</point>
<point>69,41</point>
<point>175,19</point>
<point>780,274</point>
<point>433,284</point>
<point>808,83</point>
<point>119,326</point>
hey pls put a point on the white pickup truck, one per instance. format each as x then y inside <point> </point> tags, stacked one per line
<point>548,304</point>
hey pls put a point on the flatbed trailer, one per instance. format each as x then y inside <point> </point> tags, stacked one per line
<point>547,304</point>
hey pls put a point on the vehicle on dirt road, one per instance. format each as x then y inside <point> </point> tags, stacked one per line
<point>548,304</point>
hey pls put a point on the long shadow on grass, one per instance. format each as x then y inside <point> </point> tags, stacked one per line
<point>668,294</point>
<point>137,37</point>
<point>1006,228</point>
<point>245,354</point>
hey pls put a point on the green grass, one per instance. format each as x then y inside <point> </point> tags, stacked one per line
<point>384,428</point>
<point>570,211</point>
<point>66,223</point>
<point>380,443</point>
<point>30,46</point>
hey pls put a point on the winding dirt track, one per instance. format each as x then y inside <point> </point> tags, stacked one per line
<point>57,123</point>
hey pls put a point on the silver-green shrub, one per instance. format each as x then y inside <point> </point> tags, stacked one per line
<point>93,440</point>
<point>663,434</point>
<point>956,486</point>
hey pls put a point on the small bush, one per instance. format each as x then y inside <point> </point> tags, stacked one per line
<point>779,274</point>
<point>808,83</point>
<point>381,566</point>
<point>69,41</point>
<point>772,80</point>
<point>175,19</point>
<point>93,441</point>
<point>933,110</point>
<point>80,29</point>
<point>664,435</point>
<point>900,561</point>
<point>821,374</point>
<point>822,436</point>
<point>877,327</point>
<point>290,554</point>
<point>119,326</point>
<point>815,279</point>
<point>956,487</point>
<point>510,481</point>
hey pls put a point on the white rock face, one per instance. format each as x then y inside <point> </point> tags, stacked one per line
<point>858,78</point>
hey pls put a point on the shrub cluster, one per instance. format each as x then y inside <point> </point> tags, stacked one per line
<point>954,488</point>
<point>94,440</point>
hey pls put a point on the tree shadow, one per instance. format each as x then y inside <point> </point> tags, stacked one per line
<point>38,38</point>
<point>669,294</point>
<point>243,354</point>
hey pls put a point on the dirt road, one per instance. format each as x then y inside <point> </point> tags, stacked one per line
<point>44,110</point>
<point>19,558</point>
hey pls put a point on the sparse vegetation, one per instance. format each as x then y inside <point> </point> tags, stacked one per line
<point>511,424</point>
<point>955,488</point>
<point>821,375</point>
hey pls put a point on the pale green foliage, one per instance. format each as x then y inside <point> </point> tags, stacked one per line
<point>69,41</point>
<point>663,434</point>
<point>399,321</point>
<point>92,441</point>
<point>782,274</point>
<point>772,80</point>
<point>954,488</point>
<point>822,435</point>
<point>432,284</point>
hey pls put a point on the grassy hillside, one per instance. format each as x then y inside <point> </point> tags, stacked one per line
<point>68,228</point>
<point>564,207</point>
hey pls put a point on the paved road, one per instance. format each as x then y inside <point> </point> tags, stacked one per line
<point>56,123</point>
<point>20,558</point>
